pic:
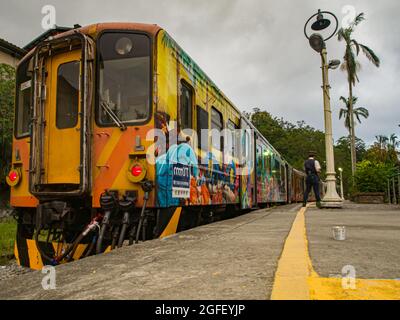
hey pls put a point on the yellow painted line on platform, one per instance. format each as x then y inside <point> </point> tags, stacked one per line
<point>295,278</point>
<point>293,267</point>
<point>365,289</point>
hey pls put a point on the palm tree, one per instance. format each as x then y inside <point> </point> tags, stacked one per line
<point>381,141</point>
<point>352,66</point>
<point>394,143</point>
<point>358,112</point>
<point>386,147</point>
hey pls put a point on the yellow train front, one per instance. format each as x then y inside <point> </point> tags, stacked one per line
<point>109,148</point>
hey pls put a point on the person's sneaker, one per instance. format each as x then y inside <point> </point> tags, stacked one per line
<point>318,205</point>
<point>304,204</point>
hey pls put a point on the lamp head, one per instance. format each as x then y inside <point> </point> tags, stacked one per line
<point>321,22</point>
<point>317,42</point>
<point>334,64</point>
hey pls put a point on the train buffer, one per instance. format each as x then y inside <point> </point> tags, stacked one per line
<point>286,252</point>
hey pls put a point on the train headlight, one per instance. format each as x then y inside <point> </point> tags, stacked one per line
<point>123,46</point>
<point>137,171</point>
<point>13,177</point>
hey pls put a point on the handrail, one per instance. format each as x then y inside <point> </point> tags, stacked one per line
<point>393,188</point>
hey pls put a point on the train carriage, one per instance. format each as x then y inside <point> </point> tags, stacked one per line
<point>117,138</point>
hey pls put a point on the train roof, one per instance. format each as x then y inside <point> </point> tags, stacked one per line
<point>152,29</point>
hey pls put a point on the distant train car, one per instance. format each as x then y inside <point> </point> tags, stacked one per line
<point>297,185</point>
<point>109,145</point>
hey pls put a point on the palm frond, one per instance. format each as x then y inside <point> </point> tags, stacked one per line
<point>360,17</point>
<point>370,54</point>
<point>351,65</point>
<point>393,139</point>
<point>364,112</point>
<point>340,34</point>
<point>355,43</point>
<point>361,112</point>
<point>342,113</point>
<point>344,100</point>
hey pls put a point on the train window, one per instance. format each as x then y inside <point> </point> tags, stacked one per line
<point>202,123</point>
<point>216,127</point>
<point>231,141</point>
<point>247,152</point>
<point>23,101</point>
<point>259,160</point>
<point>67,95</point>
<point>186,105</point>
<point>267,160</point>
<point>124,85</point>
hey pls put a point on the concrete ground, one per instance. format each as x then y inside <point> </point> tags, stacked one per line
<point>231,259</point>
<point>248,257</point>
<point>372,242</point>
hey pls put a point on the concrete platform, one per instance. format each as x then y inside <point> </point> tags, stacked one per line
<point>231,259</point>
<point>286,252</point>
<point>364,266</point>
<point>372,244</point>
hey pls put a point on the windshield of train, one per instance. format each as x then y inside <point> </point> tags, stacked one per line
<point>124,78</point>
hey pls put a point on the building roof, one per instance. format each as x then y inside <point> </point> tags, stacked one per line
<point>44,36</point>
<point>11,49</point>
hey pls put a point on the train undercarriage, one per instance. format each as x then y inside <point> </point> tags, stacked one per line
<point>60,231</point>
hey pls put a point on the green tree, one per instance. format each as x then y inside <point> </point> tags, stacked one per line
<point>351,66</point>
<point>394,143</point>
<point>344,143</point>
<point>384,150</point>
<point>343,160</point>
<point>7,91</point>
<point>371,176</point>
<point>358,112</point>
<point>293,141</point>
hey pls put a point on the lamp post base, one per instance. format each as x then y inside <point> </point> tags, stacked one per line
<point>331,204</point>
<point>331,198</point>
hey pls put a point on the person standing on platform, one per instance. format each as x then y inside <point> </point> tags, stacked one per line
<point>312,169</point>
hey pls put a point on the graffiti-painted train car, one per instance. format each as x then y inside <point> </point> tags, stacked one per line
<point>118,139</point>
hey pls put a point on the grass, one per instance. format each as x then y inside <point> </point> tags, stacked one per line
<point>8,229</point>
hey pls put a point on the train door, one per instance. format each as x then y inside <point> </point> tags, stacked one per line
<point>247,172</point>
<point>62,131</point>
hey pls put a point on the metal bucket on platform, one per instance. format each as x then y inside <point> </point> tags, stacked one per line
<point>339,233</point>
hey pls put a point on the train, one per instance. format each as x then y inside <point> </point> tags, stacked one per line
<point>117,139</point>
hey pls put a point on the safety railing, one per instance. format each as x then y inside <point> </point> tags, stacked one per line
<point>393,189</point>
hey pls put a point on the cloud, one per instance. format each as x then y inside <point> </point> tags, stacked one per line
<point>255,51</point>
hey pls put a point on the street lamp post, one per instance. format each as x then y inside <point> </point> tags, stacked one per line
<point>317,42</point>
<point>341,183</point>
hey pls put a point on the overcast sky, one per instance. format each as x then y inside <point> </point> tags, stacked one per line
<point>255,51</point>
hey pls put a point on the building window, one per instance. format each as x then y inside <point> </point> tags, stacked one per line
<point>202,123</point>
<point>216,127</point>
<point>186,103</point>
<point>67,95</point>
